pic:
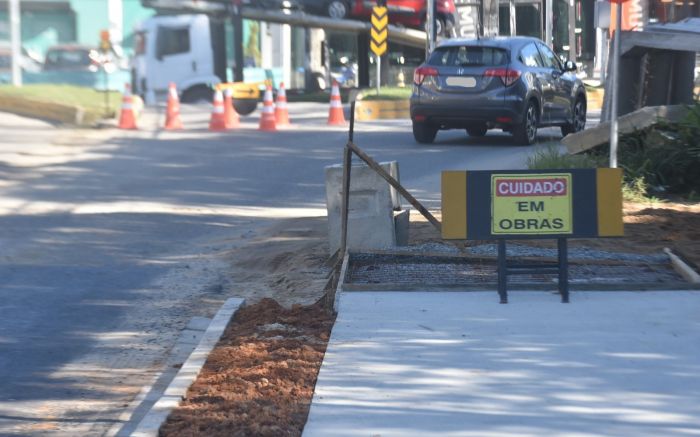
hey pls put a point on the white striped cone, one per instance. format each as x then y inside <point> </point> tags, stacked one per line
<point>217,121</point>
<point>335,113</point>
<point>281,112</point>
<point>267,118</point>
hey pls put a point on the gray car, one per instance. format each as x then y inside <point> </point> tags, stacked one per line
<point>516,84</point>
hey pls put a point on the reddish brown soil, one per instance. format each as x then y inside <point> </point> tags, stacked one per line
<point>259,380</point>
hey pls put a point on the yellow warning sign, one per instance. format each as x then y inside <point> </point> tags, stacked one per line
<point>531,204</point>
<point>379,31</point>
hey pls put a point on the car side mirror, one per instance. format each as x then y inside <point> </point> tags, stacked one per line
<point>570,66</point>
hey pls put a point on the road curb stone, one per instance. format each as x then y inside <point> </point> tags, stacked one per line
<point>189,371</point>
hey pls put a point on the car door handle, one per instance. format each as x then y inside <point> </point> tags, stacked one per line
<point>194,66</point>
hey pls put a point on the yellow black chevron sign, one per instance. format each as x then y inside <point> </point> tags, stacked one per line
<point>379,32</point>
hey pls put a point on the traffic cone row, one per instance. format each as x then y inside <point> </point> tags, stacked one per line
<point>231,117</point>
<point>218,117</point>
<point>281,112</point>
<point>172,112</point>
<point>267,118</point>
<point>335,113</point>
<point>224,115</point>
<point>127,120</point>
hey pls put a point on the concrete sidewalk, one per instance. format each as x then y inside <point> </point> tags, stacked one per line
<point>459,364</point>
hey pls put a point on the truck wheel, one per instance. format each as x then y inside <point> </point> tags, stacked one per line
<point>199,93</point>
<point>245,106</point>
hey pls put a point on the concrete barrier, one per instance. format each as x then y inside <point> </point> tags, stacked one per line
<point>381,109</point>
<point>372,222</point>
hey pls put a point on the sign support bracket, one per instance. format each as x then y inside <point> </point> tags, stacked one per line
<point>561,268</point>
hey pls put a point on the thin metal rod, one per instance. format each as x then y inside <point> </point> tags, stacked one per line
<point>374,165</point>
<point>378,59</point>
<point>351,132</point>
<point>502,272</point>
<point>615,86</point>
<point>562,250</point>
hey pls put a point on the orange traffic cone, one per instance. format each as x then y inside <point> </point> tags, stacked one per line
<point>232,120</point>
<point>217,121</point>
<point>281,112</point>
<point>172,113</point>
<point>335,114</point>
<point>127,120</point>
<point>267,118</point>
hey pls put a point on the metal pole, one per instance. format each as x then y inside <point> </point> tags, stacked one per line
<point>430,26</point>
<point>379,72</point>
<point>563,263</point>
<point>502,272</point>
<point>549,19</point>
<point>16,42</point>
<point>615,87</point>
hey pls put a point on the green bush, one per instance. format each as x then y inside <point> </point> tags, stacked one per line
<point>666,156</point>
<point>551,158</point>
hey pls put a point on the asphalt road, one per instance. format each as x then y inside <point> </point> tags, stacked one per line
<point>111,241</point>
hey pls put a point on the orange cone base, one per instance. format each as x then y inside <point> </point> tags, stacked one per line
<point>267,123</point>
<point>127,120</point>
<point>173,123</point>
<point>217,125</point>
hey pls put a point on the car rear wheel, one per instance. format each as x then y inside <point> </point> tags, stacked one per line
<point>477,130</point>
<point>424,133</point>
<point>579,118</point>
<point>526,132</point>
<point>337,9</point>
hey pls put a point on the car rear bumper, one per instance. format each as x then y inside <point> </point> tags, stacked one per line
<point>450,117</point>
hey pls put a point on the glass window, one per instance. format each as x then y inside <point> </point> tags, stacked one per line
<point>530,56</point>
<point>549,59</point>
<point>172,41</point>
<point>527,20</point>
<point>468,56</point>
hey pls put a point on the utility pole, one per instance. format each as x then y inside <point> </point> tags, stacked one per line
<point>430,27</point>
<point>16,42</point>
<point>615,85</point>
<point>549,20</point>
<point>237,23</point>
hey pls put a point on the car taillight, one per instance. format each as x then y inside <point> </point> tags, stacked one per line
<point>507,76</point>
<point>422,72</point>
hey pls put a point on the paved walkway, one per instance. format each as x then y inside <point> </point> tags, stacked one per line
<point>460,364</point>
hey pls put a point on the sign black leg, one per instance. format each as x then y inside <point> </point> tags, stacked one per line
<point>563,270</point>
<point>502,272</point>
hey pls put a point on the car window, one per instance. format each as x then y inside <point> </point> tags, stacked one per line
<point>548,57</point>
<point>68,58</point>
<point>172,40</point>
<point>530,56</point>
<point>472,56</point>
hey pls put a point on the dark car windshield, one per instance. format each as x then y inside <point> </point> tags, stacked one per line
<point>468,56</point>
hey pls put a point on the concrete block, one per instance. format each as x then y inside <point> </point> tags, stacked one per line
<point>401,221</point>
<point>370,216</point>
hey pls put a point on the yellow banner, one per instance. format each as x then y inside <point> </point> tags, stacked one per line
<point>531,204</point>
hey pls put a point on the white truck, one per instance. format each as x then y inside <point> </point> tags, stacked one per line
<point>186,50</point>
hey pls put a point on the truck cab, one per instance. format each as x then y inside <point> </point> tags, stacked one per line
<point>174,49</point>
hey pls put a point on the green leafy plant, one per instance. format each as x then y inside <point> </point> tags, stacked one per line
<point>550,157</point>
